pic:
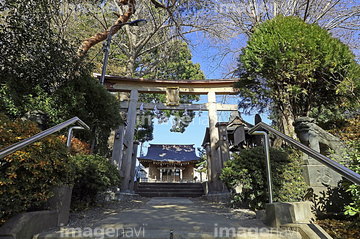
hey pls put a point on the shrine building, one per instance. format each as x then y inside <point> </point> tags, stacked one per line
<point>170,163</point>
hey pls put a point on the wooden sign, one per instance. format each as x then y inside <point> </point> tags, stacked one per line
<point>172,96</point>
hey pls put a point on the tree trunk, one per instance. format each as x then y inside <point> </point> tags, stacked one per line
<point>101,36</point>
<point>130,66</point>
<point>285,123</point>
<point>286,120</point>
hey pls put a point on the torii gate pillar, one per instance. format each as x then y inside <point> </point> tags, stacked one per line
<point>215,184</point>
<point>129,139</point>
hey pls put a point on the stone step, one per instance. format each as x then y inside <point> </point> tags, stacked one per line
<point>169,187</point>
<point>172,185</point>
<point>170,194</point>
<point>170,190</point>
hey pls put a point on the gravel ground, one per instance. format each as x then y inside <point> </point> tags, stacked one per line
<point>90,216</point>
<point>94,214</point>
<point>224,209</point>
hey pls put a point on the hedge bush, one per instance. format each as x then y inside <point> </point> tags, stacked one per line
<point>248,169</point>
<point>27,175</point>
<point>93,174</point>
<point>77,146</point>
<point>354,164</point>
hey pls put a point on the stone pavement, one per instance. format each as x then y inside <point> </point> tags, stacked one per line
<point>175,218</point>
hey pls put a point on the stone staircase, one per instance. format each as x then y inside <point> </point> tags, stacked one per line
<point>170,190</point>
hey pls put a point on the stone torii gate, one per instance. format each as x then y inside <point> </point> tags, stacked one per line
<point>172,89</point>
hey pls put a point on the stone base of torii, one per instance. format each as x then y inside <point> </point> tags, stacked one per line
<point>125,149</point>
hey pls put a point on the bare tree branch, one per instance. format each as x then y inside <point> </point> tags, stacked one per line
<point>241,16</point>
<point>157,4</point>
<point>101,36</point>
<point>306,9</point>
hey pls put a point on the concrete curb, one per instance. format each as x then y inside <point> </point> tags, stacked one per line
<point>165,234</point>
<point>308,230</point>
<point>296,216</point>
<point>24,225</point>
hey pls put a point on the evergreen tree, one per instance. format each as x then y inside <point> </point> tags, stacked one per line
<point>39,70</point>
<point>293,67</point>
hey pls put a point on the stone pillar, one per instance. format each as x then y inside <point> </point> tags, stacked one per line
<point>161,171</point>
<point>208,161</point>
<point>133,166</point>
<point>223,142</point>
<point>181,175</point>
<point>123,165</point>
<point>118,147</point>
<point>216,184</point>
<point>129,139</point>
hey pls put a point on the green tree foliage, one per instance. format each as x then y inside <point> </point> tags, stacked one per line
<point>33,60</point>
<point>293,67</point>
<point>93,174</point>
<point>354,164</point>
<point>178,66</point>
<point>144,127</point>
<point>27,175</point>
<point>202,165</point>
<point>91,102</point>
<point>248,170</point>
<point>39,70</point>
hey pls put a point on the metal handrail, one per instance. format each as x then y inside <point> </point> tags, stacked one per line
<point>23,143</point>
<point>341,169</point>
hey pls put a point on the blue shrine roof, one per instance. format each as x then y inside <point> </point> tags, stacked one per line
<point>170,153</point>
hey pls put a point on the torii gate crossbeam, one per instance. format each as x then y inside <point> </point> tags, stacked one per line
<point>192,87</point>
<point>195,107</point>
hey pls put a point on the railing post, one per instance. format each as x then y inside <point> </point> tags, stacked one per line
<point>69,136</point>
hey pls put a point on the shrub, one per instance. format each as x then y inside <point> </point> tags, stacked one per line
<point>354,164</point>
<point>27,175</point>
<point>348,129</point>
<point>248,169</point>
<point>93,174</point>
<point>77,146</point>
